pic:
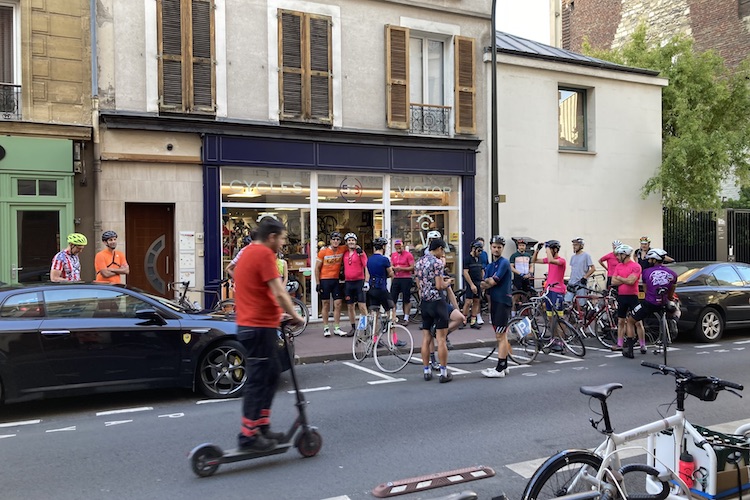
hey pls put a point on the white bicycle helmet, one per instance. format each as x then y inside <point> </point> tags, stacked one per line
<point>350,235</point>
<point>580,241</point>
<point>434,234</point>
<point>656,253</point>
<point>623,250</point>
<point>616,243</point>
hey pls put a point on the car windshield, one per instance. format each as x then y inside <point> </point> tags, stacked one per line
<point>687,270</point>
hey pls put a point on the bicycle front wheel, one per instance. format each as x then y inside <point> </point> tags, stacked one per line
<point>568,472</point>
<point>572,339</point>
<point>524,344</point>
<point>394,349</point>
<point>415,315</point>
<point>605,328</point>
<point>301,309</point>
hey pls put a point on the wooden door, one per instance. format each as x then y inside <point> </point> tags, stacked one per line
<point>149,234</point>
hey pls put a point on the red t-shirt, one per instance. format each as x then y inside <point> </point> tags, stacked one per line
<point>624,270</point>
<point>255,302</point>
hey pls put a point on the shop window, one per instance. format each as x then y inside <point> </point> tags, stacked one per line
<point>424,190</point>
<point>418,83</point>
<point>187,78</point>
<point>305,60</point>
<point>345,188</point>
<point>572,119</point>
<point>412,227</point>
<point>262,185</point>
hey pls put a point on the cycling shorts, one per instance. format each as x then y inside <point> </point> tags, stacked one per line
<point>401,287</point>
<point>521,284</point>
<point>469,295</point>
<point>645,310</point>
<point>353,292</point>
<point>626,303</point>
<point>554,301</point>
<point>435,313</point>
<point>331,287</point>
<point>380,297</point>
<point>499,314</point>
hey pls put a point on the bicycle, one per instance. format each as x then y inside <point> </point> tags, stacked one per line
<point>547,332</point>
<point>391,346</point>
<point>597,317</point>
<point>659,333</point>
<point>577,471</point>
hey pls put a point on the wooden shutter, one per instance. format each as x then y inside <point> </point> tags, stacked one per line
<point>291,64</point>
<point>465,87</point>
<point>320,88</point>
<point>169,23</point>
<point>203,74</point>
<point>397,76</point>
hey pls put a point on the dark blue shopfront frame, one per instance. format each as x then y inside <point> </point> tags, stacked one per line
<point>317,155</point>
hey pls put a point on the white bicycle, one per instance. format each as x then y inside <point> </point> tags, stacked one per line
<point>599,474</point>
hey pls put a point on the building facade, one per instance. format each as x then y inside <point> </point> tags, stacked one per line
<point>45,134</point>
<point>364,117</point>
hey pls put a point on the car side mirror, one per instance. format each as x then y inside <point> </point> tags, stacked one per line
<point>150,315</point>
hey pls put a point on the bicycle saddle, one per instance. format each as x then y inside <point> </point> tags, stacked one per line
<point>600,392</point>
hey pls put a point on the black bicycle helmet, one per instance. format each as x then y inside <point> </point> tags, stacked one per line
<point>477,244</point>
<point>108,234</point>
<point>379,243</point>
<point>335,234</point>
<point>497,239</point>
<point>553,244</point>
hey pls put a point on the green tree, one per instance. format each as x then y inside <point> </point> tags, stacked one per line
<point>705,119</point>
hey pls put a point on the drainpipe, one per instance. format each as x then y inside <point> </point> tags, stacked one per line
<point>493,138</point>
<point>96,151</point>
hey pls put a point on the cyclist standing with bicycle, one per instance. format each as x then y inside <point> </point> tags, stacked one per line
<point>609,262</point>
<point>260,301</point>
<point>356,278</point>
<point>473,273</point>
<point>498,284</point>
<point>659,282</point>
<point>626,276</point>
<point>403,266</point>
<point>380,269</point>
<point>581,268</point>
<point>523,271</point>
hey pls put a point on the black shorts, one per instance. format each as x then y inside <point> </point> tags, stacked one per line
<point>499,314</point>
<point>626,303</point>
<point>401,287</point>
<point>469,295</point>
<point>330,287</point>
<point>353,292</point>
<point>380,297</point>
<point>521,284</point>
<point>645,310</point>
<point>436,313</point>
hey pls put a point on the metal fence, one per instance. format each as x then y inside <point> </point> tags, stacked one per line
<point>738,232</point>
<point>689,234</point>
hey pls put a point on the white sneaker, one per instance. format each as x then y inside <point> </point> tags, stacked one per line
<point>338,331</point>
<point>492,373</point>
<point>326,332</point>
<point>480,321</point>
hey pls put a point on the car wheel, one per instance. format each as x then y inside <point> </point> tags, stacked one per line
<point>221,371</point>
<point>710,325</point>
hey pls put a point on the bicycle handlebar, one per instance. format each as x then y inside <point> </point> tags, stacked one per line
<point>687,374</point>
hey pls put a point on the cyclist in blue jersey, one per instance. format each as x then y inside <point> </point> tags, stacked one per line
<point>497,283</point>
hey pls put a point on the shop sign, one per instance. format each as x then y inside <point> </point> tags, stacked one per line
<point>420,191</point>
<point>267,187</point>
<point>350,189</point>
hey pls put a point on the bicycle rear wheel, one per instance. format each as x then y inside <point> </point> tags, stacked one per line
<point>390,355</point>
<point>572,339</point>
<point>415,315</point>
<point>524,344</point>
<point>568,472</point>
<point>362,344</point>
<point>301,309</point>
<point>605,328</point>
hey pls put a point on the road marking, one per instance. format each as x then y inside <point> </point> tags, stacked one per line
<point>172,415</point>
<point>706,346</point>
<point>209,401</point>
<point>613,355</point>
<point>116,422</point>
<point>3,436</point>
<point>457,371</point>
<point>742,342</point>
<point>738,348</point>
<point>721,350</point>
<point>313,389</point>
<point>387,379</point>
<point>62,429</point>
<point>20,423</point>
<point>599,349</point>
<point>483,356</point>
<point>124,410</point>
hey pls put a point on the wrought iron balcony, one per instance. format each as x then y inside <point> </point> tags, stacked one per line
<point>429,119</point>
<point>10,101</point>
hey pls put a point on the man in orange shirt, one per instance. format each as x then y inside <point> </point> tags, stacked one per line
<point>258,294</point>
<point>327,272</point>
<point>110,264</point>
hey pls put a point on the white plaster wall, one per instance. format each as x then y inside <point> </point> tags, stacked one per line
<point>563,195</point>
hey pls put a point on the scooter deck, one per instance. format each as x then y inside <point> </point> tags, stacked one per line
<point>237,455</point>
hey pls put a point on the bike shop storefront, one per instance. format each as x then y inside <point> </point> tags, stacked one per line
<point>314,202</point>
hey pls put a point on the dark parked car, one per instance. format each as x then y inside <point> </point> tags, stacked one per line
<point>63,339</point>
<point>714,296</point>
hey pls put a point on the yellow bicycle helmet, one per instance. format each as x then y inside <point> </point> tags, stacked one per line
<point>77,239</point>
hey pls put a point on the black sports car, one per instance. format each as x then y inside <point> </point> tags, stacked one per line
<point>714,296</point>
<point>58,339</point>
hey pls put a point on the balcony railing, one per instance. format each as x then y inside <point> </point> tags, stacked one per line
<point>429,119</point>
<point>10,101</point>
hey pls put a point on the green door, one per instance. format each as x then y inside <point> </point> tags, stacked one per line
<point>37,230</point>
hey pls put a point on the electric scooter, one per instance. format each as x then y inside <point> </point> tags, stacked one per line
<point>206,458</point>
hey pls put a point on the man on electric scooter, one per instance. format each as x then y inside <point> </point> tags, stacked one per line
<point>258,295</point>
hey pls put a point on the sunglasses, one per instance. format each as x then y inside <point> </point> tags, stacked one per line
<point>335,239</point>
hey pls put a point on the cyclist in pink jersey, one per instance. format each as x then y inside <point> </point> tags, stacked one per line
<point>555,274</point>
<point>610,262</point>
<point>626,277</point>
<point>403,268</point>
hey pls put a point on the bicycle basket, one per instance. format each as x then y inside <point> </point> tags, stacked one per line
<point>724,445</point>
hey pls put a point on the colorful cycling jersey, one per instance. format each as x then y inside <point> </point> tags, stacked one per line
<point>427,269</point>
<point>331,260</point>
<point>69,265</point>
<point>378,265</point>
<point>624,270</point>
<point>354,265</point>
<point>501,273</point>
<point>402,259</point>
<point>521,261</point>
<point>658,280</point>
<point>612,263</point>
<point>556,274</point>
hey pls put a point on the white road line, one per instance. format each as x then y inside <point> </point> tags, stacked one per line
<point>738,348</point>
<point>62,429</point>
<point>3,436</point>
<point>342,497</point>
<point>20,423</point>
<point>116,422</point>
<point>457,371</point>
<point>741,342</point>
<point>313,389</point>
<point>124,410</point>
<point>483,356</point>
<point>706,346</point>
<point>371,372</point>
<point>598,349</point>
<point>378,382</point>
<point>209,401</point>
<point>172,415</point>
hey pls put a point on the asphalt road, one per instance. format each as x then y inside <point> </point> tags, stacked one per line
<point>375,429</point>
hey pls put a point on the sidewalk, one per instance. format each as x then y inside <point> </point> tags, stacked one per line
<point>312,347</point>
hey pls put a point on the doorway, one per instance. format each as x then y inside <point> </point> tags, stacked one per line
<point>37,231</point>
<point>366,224</point>
<point>149,232</point>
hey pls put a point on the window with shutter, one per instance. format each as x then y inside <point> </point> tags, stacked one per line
<point>397,76</point>
<point>305,89</point>
<point>465,87</point>
<point>187,80</point>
